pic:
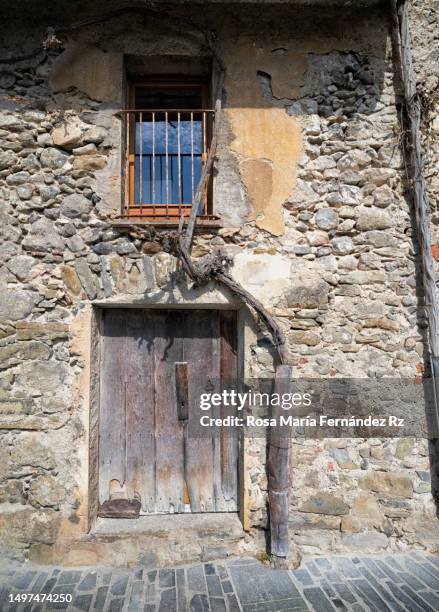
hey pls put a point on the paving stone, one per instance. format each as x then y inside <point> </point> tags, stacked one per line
<point>317,598</point>
<point>386,569</point>
<point>345,593</point>
<point>430,598</point>
<point>357,608</point>
<point>23,581</point>
<point>138,574</point>
<point>196,579</point>
<point>394,563</point>
<point>60,590</point>
<point>119,585</point>
<point>136,597</point>
<point>152,575</point>
<point>232,604</point>
<point>369,563</point>
<point>429,569</point>
<point>149,608</point>
<point>327,588</point>
<point>415,555</point>
<point>167,578</point>
<point>47,588</point>
<point>101,596</point>
<point>106,578</point>
<point>150,592</point>
<point>88,583</point>
<point>217,604</point>
<point>261,585</point>
<point>382,591</point>
<point>303,576</point>
<point>116,604</point>
<point>214,586</point>
<point>168,600</point>
<point>199,603</point>
<point>404,599</point>
<point>312,567</point>
<point>339,605</point>
<point>364,589</point>
<point>181,589</point>
<point>209,568</point>
<point>346,567</point>
<point>418,600</point>
<point>296,605</point>
<point>39,582</point>
<point>412,581</point>
<point>323,563</point>
<point>83,602</point>
<point>423,575</point>
<point>332,576</point>
<point>227,586</point>
<point>70,577</point>
<point>4,592</point>
<point>221,570</point>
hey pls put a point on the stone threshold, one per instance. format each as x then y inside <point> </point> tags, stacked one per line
<point>155,539</point>
<point>224,523</point>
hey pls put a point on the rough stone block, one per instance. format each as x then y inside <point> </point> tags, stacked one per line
<point>388,483</point>
<point>30,330</point>
<point>324,503</point>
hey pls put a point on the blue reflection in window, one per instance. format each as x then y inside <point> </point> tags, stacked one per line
<point>153,160</point>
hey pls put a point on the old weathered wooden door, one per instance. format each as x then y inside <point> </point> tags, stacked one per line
<point>147,451</point>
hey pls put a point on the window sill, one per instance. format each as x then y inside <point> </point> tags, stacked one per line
<point>200,225</point>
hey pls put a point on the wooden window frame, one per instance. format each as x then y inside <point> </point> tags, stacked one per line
<point>154,211</point>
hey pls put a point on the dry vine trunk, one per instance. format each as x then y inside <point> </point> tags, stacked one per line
<point>416,179</point>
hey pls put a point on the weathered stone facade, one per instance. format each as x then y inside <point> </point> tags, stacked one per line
<point>309,184</point>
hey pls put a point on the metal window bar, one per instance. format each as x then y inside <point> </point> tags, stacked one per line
<point>167,153</point>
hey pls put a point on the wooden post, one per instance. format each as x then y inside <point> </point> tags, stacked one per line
<point>417,183</point>
<point>279,484</point>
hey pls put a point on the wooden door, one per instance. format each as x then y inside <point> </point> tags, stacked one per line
<point>148,453</point>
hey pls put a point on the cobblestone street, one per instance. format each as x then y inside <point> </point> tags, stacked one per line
<point>388,583</point>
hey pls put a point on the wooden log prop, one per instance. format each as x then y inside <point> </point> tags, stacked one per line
<point>279,466</point>
<point>414,157</point>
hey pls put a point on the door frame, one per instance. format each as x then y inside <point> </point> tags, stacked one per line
<point>243,325</point>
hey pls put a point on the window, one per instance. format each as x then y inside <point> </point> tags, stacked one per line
<point>168,131</point>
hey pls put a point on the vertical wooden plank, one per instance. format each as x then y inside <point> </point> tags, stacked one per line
<point>201,352</point>
<point>140,453</point>
<point>112,426</point>
<point>168,348</point>
<point>229,438</point>
<point>217,411</point>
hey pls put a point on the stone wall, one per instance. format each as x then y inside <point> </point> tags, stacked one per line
<point>318,226</point>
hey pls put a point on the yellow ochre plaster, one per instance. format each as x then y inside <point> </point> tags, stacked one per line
<point>268,143</point>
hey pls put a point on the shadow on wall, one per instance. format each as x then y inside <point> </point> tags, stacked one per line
<point>335,84</point>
